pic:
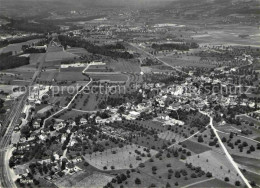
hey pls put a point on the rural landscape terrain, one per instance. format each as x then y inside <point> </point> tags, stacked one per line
<point>137,93</point>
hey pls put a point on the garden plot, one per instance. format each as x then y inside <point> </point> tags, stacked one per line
<point>95,180</point>
<point>83,179</point>
<point>118,158</point>
<point>169,135</point>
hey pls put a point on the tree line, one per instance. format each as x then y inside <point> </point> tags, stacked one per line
<point>101,50</point>
<point>173,46</point>
<point>7,61</point>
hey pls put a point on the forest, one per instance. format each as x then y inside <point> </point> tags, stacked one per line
<point>101,50</point>
<point>7,61</point>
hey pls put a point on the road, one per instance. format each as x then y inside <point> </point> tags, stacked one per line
<point>68,105</point>
<point>211,122</point>
<point>198,182</point>
<point>152,56</point>
<point>5,177</point>
<point>234,164</point>
<point>185,138</point>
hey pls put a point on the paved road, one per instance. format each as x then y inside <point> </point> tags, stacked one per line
<point>5,177</point>
<point>198,182</point>
<point>68,105</point>
<point>151,55</point>
<point>226,151</point>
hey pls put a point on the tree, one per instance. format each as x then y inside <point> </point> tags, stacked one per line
<point>25,130</point>
<point>226,179</point>
<point>193,175</point>
<point>177,174</point>
<point>168,185</point>
<point>209,175</point>
<point>137,181</point>
<point>252,148</point>
<point>200,139</point>
<point>237,183</point>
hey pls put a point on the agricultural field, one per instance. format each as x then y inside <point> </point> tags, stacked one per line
<point>169,136</point>
<point>212,183</point>
<point>250,163</point>
<point>211,161</point>
<point>192,61</point>
<point>249,147</point>
<point>228,35</point>
<point>59,56</point>
<point>252,177</point>
<point>127,66</point>
<point>88,102</point>
<point>98,68</point>
<point>17,47</point>
<point>48,76</point>
<point>69,114</point>
<point>129,156</point>
<point>78,51</point>
<point>71,76</point>
<point>166,168</point>
<point>195,147</point>
<point>109,77</point>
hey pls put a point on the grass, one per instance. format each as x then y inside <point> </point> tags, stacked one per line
<point>71,76</point>
<point>252,177</point>
<point>119,158</point>
<point>212,183</point>
<point>109,77</point>
<point>48,76</point>
<point>122,65</point>
<point>253,164</point>
<point>236,151</point>
<point>184,62</point>
<point>195,147</point>
<point>215,163</point>
<point>162,172</point>
<point>95,180</point>
<point>169,135</point>
<point>59,56</point>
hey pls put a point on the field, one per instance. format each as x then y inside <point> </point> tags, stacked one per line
<point>78,51</point>
<point>166,169</point>
<point>84,179</point>
<point>228,35</point>
<point>250,163</point>
<point>212,183</point>
<point>254,154</point>
<point>71,76</point>
<point>48,76</point>
<point>192,61</point>
<point>17,48</point>
<point>118,158</point>
<point>210,161</point>
<point>195,147</point>
<point>122,65</point>
<point>109,77</point>
<point>98,68</point>
<point>169,135</point>
<point>65,115</point>
<point>252,177</point>
<point>91,105</point>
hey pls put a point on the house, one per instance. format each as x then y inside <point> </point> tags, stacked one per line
<point>36,125</point>
<point>43,137</point>
<point>99,120</point>
<point>165,117</point>
<point>83,121</point>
